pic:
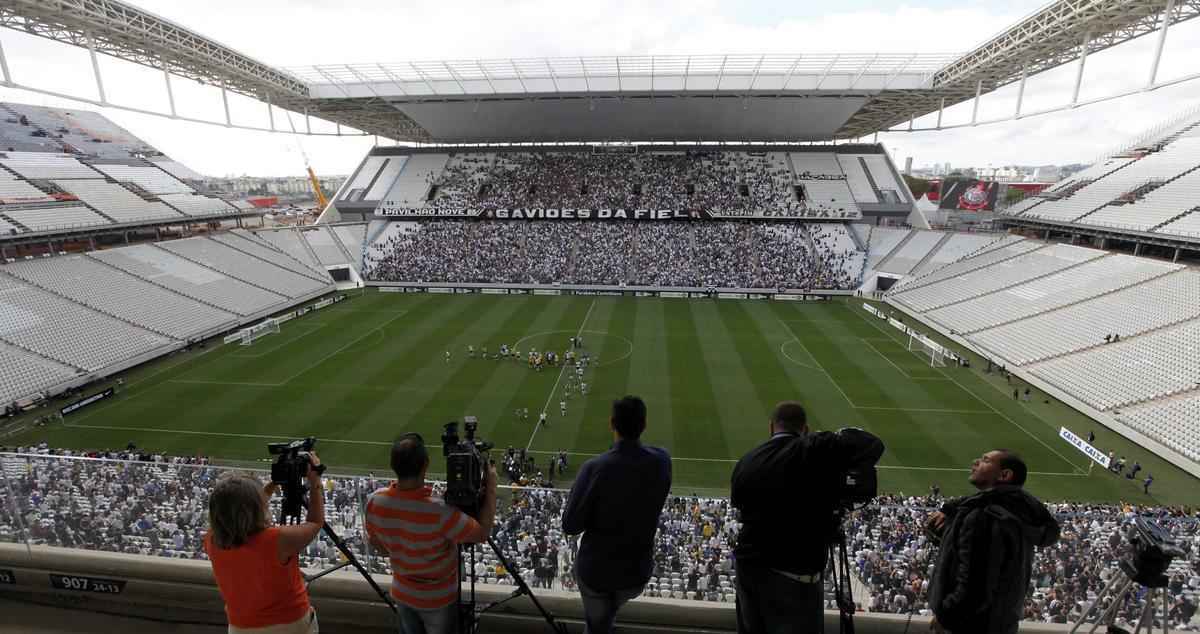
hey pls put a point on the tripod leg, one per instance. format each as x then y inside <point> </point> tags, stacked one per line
<point>1118,597</point>
<point>1146,618</point>
<point>1165,598</point>
<point>1112,584</point>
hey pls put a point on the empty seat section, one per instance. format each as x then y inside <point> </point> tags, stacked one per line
<point>1044,261</point>
<point>13,190</point>
<point>67,332</point>
<point>1011,246</point>
<point>1141,368</point>
<point>246,242</point>
<point>959,246</point>
<point>197,205</point>
<point>247,268</point>
<point>290,242</point>
<point>148,178</point>
<point>193,280</point>
<point>59,217</point>
<point>856,177</point>
<point>177,169</point>
<point>387,175</point>
<point>1095,278</point>
<point>116,202</point>
<point>109,290</point>
<point>815,165</point>
<point>412,185</point>
<point>23,374</point>
<point>44,165</point>
<point>1174,422</point>
<point>1154,208</point>
<point>324,244</point>
<point>882,241</point>
<point>881,171</point>
<point>353,238</point>
<point>912,252</point>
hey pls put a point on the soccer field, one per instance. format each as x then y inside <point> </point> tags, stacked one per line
<point>359,373</point>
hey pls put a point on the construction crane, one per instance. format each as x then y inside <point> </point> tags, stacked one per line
<point>322,201</point>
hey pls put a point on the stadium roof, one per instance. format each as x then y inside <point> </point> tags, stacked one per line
<point>688,98</point>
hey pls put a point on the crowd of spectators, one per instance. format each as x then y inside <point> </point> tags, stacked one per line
<point>143,503</point>
<point>735,184</point>
<point>697,254</point>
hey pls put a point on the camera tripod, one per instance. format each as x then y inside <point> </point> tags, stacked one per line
<point>838,570</point>
<point>1120,588</point>
<point>469,621</point>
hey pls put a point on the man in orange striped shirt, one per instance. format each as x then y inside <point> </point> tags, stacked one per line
<point>419,532</point>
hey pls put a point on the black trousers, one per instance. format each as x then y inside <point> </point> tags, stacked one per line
<point>771,603</point>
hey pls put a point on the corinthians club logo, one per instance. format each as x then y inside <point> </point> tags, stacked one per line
<point>976,197</point>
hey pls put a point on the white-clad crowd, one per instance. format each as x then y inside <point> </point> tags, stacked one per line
<point>696,254</point>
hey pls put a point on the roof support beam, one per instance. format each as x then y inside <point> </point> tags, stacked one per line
<point>1162,40</point>
<point>96,69</point>
<point>1087,39</point>
<point>1020,95</point>
<point>170,90</point>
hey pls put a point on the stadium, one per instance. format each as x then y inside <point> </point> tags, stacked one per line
<point>526,240</point>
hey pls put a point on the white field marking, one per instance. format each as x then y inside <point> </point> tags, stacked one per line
<point>980,399</point>
<point>228,383</point>
<point>341,349</point>
<point>783,351</point>
<point>900,369</point>
<point>271,349</point>
<point>553,390</point>
<point>812,356</point>
<point>364,386</point>
<point>602,333</point>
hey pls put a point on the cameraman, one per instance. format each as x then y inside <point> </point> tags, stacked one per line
<point>419,532</point>
<point>256,565</point>
<point>786,490</point>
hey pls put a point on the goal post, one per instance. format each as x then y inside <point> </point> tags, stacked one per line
<point>263,328</point>
<point>926,348</point>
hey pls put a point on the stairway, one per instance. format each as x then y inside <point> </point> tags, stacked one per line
<point>1173,219</point>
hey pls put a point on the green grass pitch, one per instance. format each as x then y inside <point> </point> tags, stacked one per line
<point>365,370</point>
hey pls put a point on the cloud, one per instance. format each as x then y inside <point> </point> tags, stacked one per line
<point>305,32</point>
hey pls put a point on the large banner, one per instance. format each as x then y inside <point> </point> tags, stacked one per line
<point>969,195</point>
<point>391,211</point>
<point>1084,447</point>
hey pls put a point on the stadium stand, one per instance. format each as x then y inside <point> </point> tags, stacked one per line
<point>1147,306</point>
<point>116,202</point>
<point>915,248</point>
<point>1042,261</point>
<point>246,242</point>
<point>881,173</point>
<point>176,169</point>
<point>358,184</point>
<point>87,281</point>
<point>856,177</point>
<point>23,373</point>
<point>325,245</point>
<point>411,187</point>
<point>7,228</point>
<point>953,248</point>
<point>196,205</point>
<point>46,166</point>
<point>151,179</point>
<point>1159,364</point>
<point>187,278</point>
<point>1172,420</point>
<point>238,265</point>
<point>67,332</point>
<point>695,254</point>
<point>13,190</point>
<point>881,242</point>
<point>1006,248</point>
<point>55,217</point>
<point>292,242</point>
<point>1092,279</point>
<point>353,239</point>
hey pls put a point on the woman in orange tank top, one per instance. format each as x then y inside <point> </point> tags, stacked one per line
<point>256,564</point>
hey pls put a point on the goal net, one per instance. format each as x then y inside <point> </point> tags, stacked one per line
<point>266,327</point>
<point>933,351</point>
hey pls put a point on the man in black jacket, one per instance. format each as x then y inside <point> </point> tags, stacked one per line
<point>786,490</point>
<point>987,543</point>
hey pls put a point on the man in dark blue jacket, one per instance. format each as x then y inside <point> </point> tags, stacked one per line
<point>987,543</point>
<point>615,503</point>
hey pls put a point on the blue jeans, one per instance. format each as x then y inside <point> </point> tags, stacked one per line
<point>771,603</point>
<point>600,608</point>
<point>436,621</point>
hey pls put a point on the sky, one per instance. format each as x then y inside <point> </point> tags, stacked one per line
<point>306,32</point>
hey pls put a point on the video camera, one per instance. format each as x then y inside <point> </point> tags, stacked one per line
<point>858,481</point>
<point>466,466</point>
<point>289,472</point>
<point>1151,550</point>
